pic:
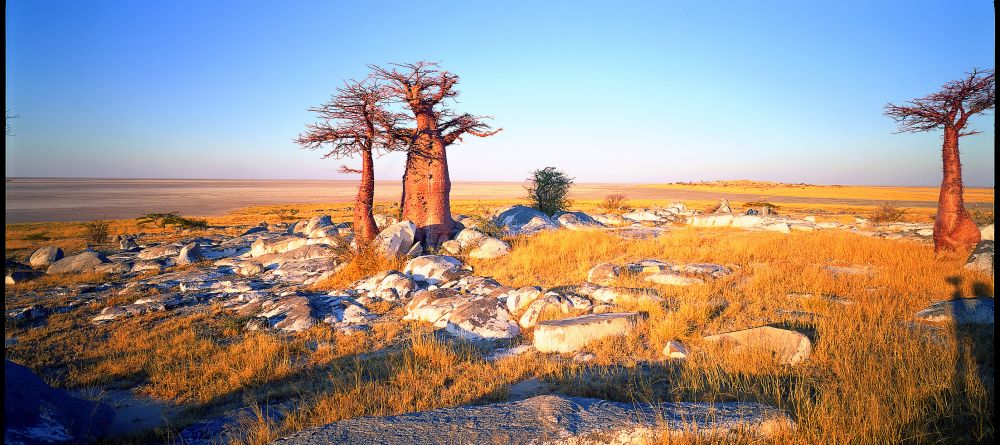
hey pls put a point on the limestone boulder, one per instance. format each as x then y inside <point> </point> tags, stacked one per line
<point>396,239</point>
<point>961,311</point>
<point>45,256</point>
<point>264,246</point>
<point>554,419</point>
<point>573,334</point>
<point>981,258</point>
<point>35,412</point>
<point>434,269</point>
<point>84,262</point>
<point>522,220</point>
<point>155,252</point>
<point>189,254</point>
<point>784,346</point>
<point>986,233</point>
<point>576,221</point>
<point>604,274</point>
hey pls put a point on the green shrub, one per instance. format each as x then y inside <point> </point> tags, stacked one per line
<point>172,219</point>
<point>547,189</point>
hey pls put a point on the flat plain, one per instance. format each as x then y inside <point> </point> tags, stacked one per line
<point>65,199</point>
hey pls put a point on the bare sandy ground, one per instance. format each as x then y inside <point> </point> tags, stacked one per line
<point>37,199</point>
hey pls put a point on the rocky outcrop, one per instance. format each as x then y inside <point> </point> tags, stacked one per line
<point>81,263</point>
<point>45,256</point>
<point>433,269</point>
<point>576,221</point>
<point>784,346</point>
<point>34,412</point>
<point>604,274</point>
<point>962,311</point>
<point>573,334</point>
<point>521,220</point>
<point>981,258</point>
<point>553,419</point>
<point>396,239</point>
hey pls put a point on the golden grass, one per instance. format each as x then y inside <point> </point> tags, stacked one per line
<point>775,189</point>
<point>871,378</point>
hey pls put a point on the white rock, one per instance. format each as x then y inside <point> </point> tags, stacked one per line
<point>674,350</point>
<point>672,279</point>
<point>433,269</point>
<point>986,233</point>
<point>721,220</point>
<point>604,274</point>
<point>396,239</point>
<point>573,334</point>
<point>786,347</point>
<point>490,248</point>
<point>45,256</point>
<point>961,311</point>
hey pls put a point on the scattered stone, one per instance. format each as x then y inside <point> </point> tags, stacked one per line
<point>610,220</point>
<point>490,248</point>
<point>786,347</point>
<point>80,263</point>
<point>452,246</point>
<point>986,233</point>
<point>383,221</point>
<point>434,269</point>
<point>265,246</point>
<point>702,269</point>
<point>573,334</point>
<point>720,220</point>
<point>27,314</point>
<point>259,228</point>
<point>553,419</point>
<point>34,412</point>
<point>45,256</point>
<point>396,239</point>
<point>519,299</point>
<point>647,266</point>
<point>190,253</point>
<point>925,232</point>
<point>723,206</point>
<point>643,216</point>
<point>165,250</point>
<point>584,357</point>
<point>674,350</point>
<point>521,220</point>
<point>604,274</point>
<point>482,319</point>
<point>576,221</point>
<point>20,276</point>
<point>962,311</point>
<point>672,279</point>
<point>981,258</point>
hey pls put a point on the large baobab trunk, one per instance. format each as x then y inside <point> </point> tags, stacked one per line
<point>364,222</point>
<point>426,185</point>
<point>953,227</point>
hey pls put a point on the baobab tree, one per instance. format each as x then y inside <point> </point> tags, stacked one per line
<point>950,110</point>
<point>423,89</point>
<point>355,122</point>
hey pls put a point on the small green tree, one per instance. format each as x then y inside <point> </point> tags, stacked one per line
<point>547,189</point>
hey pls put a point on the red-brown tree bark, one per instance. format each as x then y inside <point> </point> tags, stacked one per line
<point>423,88</point>
<point>950,110</point>
<point>356,123</point>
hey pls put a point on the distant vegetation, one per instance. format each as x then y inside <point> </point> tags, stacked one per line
<point>615,203</point>
<point>172,219</point>
<point>886,212</point>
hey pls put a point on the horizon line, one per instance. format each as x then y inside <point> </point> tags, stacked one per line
<point>11,178</point>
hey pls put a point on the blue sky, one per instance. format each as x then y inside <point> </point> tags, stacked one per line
<point>627,92</point>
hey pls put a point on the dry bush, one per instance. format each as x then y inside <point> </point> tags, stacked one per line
<point>615,204</point>
<point>982,216</point>
<point>97,232</point>
<point>361,263</point>
<point>885,213</point>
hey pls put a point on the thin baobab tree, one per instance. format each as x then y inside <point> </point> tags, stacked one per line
<point>356,122</point>
<point>950,110</point>
<point>425,90</point>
